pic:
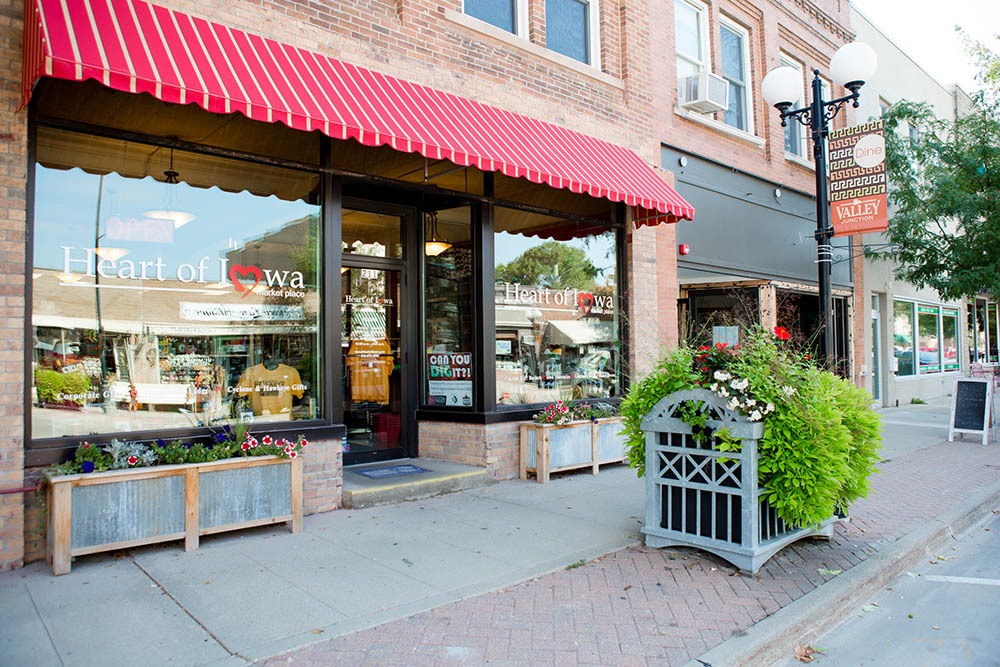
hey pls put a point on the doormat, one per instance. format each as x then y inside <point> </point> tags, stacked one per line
<point>391,471</point>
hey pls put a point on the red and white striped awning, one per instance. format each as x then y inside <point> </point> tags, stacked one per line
<point>133,46</point>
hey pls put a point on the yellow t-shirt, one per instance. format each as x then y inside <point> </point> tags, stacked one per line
<point>370,363</point>
<point>270,391</point>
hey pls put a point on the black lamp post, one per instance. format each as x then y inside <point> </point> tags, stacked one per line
<point>782,88</point>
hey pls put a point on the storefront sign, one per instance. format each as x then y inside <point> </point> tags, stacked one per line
<point>244,279</point>
<point>587,303</point>
<point>857,179</point>
<point>225,312</point>
<point>449,378</point>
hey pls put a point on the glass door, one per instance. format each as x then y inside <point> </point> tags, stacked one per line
<point>371,363</point>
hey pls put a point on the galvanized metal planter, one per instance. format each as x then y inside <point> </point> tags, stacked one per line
<point>699,497</point>
<point>549,448</point>
<point>125,508</point>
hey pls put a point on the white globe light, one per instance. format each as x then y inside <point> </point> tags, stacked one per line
<point>782,85</point>
<point>853,63</point>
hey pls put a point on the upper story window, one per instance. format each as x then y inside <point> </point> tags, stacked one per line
<point>507,15</point>
<point>795,135</point>
<point>736,70</point>
<point>571,29</point>
<point>690,19</point>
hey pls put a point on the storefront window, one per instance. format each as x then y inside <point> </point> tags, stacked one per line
<point>902,334</point>
<point>448,318</point>
<point>557,312</point>
<point>164,301</point>
<point>991,333</point>
<point>949,339</point>
<point>928,320</point>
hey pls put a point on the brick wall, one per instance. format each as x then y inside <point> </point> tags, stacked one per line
<point>495,447</point>
<point>322,476</point>
<point>13,165</point>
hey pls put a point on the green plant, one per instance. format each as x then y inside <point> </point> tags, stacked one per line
<point>564,413</point>
<point>821,435</point>
<point>119,454</point>
<point>917,401</point>
<point>56,388</point>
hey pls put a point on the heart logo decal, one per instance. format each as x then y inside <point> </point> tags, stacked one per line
<point>239,273</point>
<point>586,301</point>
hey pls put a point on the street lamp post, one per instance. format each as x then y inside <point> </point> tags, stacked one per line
<point>850,67</point>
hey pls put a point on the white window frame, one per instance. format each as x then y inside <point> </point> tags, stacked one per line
<point>748,109</point>
<point>702,60</point>
<point>803,154</point>
<point>520,19</point>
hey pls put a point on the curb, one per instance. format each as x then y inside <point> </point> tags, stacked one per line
<point>770,641</point>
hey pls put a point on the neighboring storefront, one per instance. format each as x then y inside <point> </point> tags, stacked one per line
<point>983,330</point>
<point>359,284</point>
<point>752,259</point>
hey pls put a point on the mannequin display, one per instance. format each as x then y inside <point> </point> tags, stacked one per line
<point>270,385</point>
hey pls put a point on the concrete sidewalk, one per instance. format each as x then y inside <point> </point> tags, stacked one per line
<point>514,573</point>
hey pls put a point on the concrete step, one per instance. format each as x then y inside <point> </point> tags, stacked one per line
<point>441,477</point>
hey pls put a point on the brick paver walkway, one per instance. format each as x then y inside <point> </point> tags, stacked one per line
<point>644,606</point>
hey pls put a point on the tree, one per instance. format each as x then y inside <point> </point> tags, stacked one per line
<point>944,184</point>
<point>553,264</point>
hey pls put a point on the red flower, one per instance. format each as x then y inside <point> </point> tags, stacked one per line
<point>245,446</point>
<point>86,445</point>
<point>782,333</point>
<point>721,346</point>
<point>303,442</point>
<point>132,460</point>
<point>266,440</point>
<point>704,348</point>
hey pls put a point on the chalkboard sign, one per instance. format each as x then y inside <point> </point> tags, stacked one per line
<point>970,407</point>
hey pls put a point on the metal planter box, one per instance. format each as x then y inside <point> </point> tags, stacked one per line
<point>125,508</point>
<point>694,499</point>
<point>549,448</point>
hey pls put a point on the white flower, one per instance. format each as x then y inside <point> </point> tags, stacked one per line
<point>723,392</point>
<point>788,390</point>
<point>715,386</point>
<point>751,402</point>
<point>733,403</point>
<point>722,376</point>
<point>755,416</point>
<point>769,408</point>
<point>740,385</point>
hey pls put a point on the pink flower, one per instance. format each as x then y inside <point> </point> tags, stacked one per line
<point>132,460</point>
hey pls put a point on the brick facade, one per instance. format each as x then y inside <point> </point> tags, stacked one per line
<point>495,447</point>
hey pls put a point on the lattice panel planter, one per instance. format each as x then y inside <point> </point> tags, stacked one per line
<point>699,497</point>
<point>118,509</point>
<point>549,448</point>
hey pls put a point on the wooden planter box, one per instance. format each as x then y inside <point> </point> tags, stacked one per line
<point>112,510</point>
<point>549,448</point>
<point>695,499</point>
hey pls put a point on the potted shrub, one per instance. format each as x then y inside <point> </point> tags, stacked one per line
<point>747,449</point>
<point>568,437</point>
<point>128,494</point>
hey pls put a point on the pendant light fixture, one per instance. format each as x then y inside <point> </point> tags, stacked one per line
<point>434,245</point>
<point>169,210</point>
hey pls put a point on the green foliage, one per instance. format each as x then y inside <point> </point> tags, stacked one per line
<point>55,388</point>
<point>944,182</point>
<point>821,434</point>
<point>564,413</point>
<point>673,373</point>
<point>552,264</point>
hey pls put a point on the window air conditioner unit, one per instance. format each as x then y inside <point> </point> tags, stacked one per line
<point>704,93</point>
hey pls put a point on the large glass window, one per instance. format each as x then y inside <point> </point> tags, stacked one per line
<point>902,337</point>
<point>689,31</point>
<point>557,311</point>
<point>949,339</point>
<point>735,69</point>
<point>928,322</point>
<point>568,28</point>
<point>162,300</point>
<point>991,333</point>
<point>501,13</point>
<point>448,316</point>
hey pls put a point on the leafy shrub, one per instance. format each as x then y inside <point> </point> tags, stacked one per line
<point>55,388</point>
<point>821,435</point>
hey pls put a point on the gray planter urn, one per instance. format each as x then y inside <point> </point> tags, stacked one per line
<point>699,497</point>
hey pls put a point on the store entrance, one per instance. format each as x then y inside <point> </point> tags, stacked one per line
<point>372,364</point>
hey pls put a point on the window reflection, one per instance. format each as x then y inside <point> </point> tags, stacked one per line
<point>163,304</point>
<point>557,312</point>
